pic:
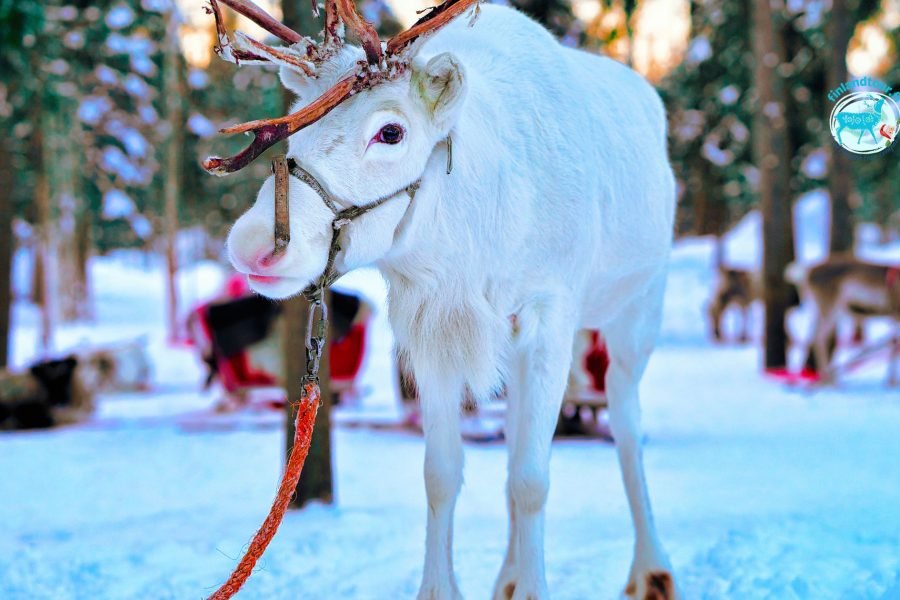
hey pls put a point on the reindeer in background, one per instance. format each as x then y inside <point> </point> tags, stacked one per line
<point>515,191</point>
<point>844,285</point>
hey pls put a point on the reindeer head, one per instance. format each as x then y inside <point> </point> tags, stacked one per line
<point>366,121</point>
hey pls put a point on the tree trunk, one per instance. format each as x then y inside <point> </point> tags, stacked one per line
<point>64,175</point>
<point>885,198</point>
<point>172,186</point>
<point>84,244</point>
<point>840,176</point>
<point>317,479</point>
<point>770,146</point>
<point>7,181</point>
<point>710,210</point>
<point>45,242</point>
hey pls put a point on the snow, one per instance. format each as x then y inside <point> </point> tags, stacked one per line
<point>142,64</point>
<point>198,79</point>
<point>141,226</point>
<point>119,17</point>
<point>148,114</point>
<point>58,67</point>
<point>812,221</point>
<point>93,108</point>
<point>699,50</point>
<point>136,86</point>
<point>160,6</point>
<point>106,75</point>
<point>135,45</point>
<point>74,40</point>
<point>113,160</point>
<point>815,165</point>
<point>760,491</point>
<point>716,155</point>
<point>729,95</point>
<point>200,126</point>
<point>135,144</point>
<point>117,204</point>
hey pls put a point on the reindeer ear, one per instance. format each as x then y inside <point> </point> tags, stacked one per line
<point>294,79</point>
<point>441,86</point>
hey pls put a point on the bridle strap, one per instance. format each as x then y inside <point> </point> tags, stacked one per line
<point>352,211</point>
<point>308,178</point>
<point>317,327</point>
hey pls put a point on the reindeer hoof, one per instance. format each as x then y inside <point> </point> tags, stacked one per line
<point>505,586</point>
<point>656,585</point>
<point>513,589</point>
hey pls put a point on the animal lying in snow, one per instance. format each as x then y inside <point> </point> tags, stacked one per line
<point>119,367</point>
<point>49,394</point>
<point>557,211</point>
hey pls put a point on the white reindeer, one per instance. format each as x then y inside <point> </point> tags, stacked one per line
<point>557,215</point>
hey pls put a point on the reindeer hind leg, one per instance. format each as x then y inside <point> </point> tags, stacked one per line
<point>825,327</point>
<point>894,359</point>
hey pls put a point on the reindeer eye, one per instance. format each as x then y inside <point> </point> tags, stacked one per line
<point>389,134</point>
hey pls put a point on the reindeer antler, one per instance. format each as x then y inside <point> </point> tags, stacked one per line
<point>253,52</point>
<point>368,37</point>
<point>263,19</point>
<point>267,132</point>
<point>437,17</point>
<point>379,65</point>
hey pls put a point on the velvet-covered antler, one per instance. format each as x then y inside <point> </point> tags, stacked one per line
<point>379,65</point>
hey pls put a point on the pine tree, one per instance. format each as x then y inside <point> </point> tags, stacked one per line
<point>20,22</point>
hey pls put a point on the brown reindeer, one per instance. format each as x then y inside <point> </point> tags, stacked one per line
<point>846,285</point>
<point>737,287</point>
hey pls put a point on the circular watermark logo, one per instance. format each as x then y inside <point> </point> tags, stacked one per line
<point>865,122</point>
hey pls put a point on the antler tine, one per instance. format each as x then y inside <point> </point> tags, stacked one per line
<point>224,48</point>
<point>368,37</point>
<point>264,20</point>
<point>331,32</point>
<point>436,18</point>
<point>257,47</point>
<point>267,132</point>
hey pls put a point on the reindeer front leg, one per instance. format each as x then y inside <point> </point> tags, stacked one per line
<point>440,399</point>
<point>630,340</point>
<point>538,376</point>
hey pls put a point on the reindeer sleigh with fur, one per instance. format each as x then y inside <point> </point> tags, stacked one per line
<point>511,191</point>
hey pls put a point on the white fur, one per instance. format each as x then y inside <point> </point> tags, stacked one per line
<point>559,210</point>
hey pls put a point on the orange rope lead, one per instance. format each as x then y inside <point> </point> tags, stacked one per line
<point>306,418</point>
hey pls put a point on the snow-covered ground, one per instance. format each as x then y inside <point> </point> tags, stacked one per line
<point>760,491</point>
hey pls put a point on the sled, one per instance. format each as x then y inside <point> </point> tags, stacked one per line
<point>225,331</point>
